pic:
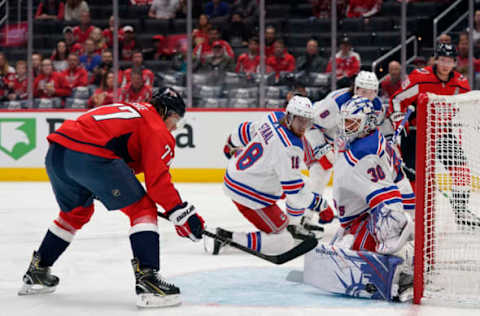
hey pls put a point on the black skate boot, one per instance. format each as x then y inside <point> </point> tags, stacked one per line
<point>152,290</point>
<point>218,244</point>
<point>37,279</point>
<point>463,216</point>
<point>299,232</point>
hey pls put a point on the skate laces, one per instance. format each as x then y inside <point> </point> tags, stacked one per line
<point>161,281</point>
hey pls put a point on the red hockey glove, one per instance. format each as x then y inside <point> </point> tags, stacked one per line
<point>325,212</point>
<point>187,222</point>
<point>229,149</point>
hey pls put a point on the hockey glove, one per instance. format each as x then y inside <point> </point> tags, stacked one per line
<point>229,149</point>
<point>187,222</point>
<point>325,212</point>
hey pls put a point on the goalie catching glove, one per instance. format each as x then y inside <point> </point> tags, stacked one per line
<point>187,222</point>
<point>325,212</point>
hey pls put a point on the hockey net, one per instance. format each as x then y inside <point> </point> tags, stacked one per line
<point>447,235</point>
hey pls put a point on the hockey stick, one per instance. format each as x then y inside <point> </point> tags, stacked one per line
<point>305,246</point>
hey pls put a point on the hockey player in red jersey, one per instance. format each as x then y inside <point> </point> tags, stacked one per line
<point>441,79</point>
<point>96,156</point>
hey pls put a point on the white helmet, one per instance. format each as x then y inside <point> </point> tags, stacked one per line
<point>300,106</point>
<point>361,115</point>
<point>366,80</point>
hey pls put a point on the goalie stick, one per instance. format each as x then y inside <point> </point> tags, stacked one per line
<point>302,248</point>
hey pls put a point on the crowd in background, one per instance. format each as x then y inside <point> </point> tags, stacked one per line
<point>80,66</point>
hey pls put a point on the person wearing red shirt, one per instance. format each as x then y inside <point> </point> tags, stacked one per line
<point>7,73</point>
<point>19,84</point>
<point>108,32</point>
<point>137,63</point>
<point>104,94</point>
<point>281,60</point>
<point>248,62</point>
<point>50,84</point>
<point>205,49</point>
<point>136,90</point>
<point>50,10</point>
<point>82,31</point>
<point>462,58</point>
<point>71,42</point>
<point>363,8</point>
<point>75,74</point>
<point>392,81</point>
<point>442,79</point>
<point>129,44</point>
<point>200,34</point>
<point>348,62</point>
<point>97,156</point>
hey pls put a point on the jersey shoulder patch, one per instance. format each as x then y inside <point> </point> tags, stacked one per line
<point>369,145</point>
<point>287,137</point>
<point>275,117</point>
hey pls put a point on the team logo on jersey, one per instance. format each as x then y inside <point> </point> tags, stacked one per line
<point>17,136</point>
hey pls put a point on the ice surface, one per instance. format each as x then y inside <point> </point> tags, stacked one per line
<point>96,277</point>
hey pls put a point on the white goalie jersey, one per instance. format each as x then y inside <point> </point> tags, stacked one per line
<point>267,167</point>
<point>367,174</point>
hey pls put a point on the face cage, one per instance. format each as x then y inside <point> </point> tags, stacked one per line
<point>367,124</point>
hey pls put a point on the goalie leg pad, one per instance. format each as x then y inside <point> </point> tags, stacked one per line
<point>353,273</point>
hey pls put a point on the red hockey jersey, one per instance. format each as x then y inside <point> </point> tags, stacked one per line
<point>425,80</point>
<point>133,132</point>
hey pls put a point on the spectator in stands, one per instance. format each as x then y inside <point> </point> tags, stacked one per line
<point>50,84</point>
<point>249,62</point>
<point>50,10</point>
<point>249,9</point>
<point>74,9</point>
<point>182,9</point>
<point>163,9</point>
<point>141,2</point>
<point>82,32</point>
<point>18,85</point>
<point>7,74</point>
<point>419,62</point>
<point>298,89</point>
<point>108,32</point>
<point>59,57</point>
<point>236,32</point>
<point>200,34</point>
<point>444,38</point>
<point>129,44</point>
<point>311,61</point>
<point>75,74</point>
<point>270,38</point>
<point>348,63</point>
<point>71,42</point>
<point>476,33</point>
<point>219,60</point>
<point>104,94</point>
<point>105,66</point>
<point>137,63</point>
<point>462,57</point>
<point>217,10</point>
<point>322,8</point>
<point>392,81</point>
<point>99,41</point>
<point>363,8</point>
<point>36,64</point>
<point>281,60</point>
<point>136,90</point>
<point>90,59</point>
<point>204,50</point>
<point>179,60</point>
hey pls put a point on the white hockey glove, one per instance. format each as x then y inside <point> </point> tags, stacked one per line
<point>187,222</point>
<point>392,228</point>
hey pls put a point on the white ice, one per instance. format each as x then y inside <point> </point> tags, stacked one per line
<point>96,277</point>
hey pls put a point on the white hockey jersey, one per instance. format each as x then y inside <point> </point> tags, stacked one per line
<point>267,167</point>
<point>367,174</point>
<point>327,116</point>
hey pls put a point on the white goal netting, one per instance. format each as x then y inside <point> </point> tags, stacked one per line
<point>451,247</point>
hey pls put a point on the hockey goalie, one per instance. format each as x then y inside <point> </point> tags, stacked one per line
<point>371,255</point>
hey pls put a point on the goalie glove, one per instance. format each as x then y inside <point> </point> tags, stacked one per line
<point>187,222</point>
<point>229,149</point>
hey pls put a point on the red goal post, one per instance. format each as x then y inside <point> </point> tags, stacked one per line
<point>447,255</point>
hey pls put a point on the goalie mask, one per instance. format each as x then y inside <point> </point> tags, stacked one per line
<point>357,118</point>
<point>366,85</point>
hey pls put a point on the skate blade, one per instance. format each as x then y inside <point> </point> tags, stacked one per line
<point>152,300</point>
<point>36,289</point>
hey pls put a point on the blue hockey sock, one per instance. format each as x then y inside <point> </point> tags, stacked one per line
<point>51,248</point>
<point>146,248</point>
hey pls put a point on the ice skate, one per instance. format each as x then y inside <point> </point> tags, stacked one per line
<point>212,245</point>
<point>37,279</point>
<point>152,290</point>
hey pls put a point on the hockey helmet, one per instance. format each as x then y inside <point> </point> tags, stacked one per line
<point>167,100</point>
<point>366,80</point>
<point>357,118</point>
<point>300,106</point>
<point>446,50</point>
